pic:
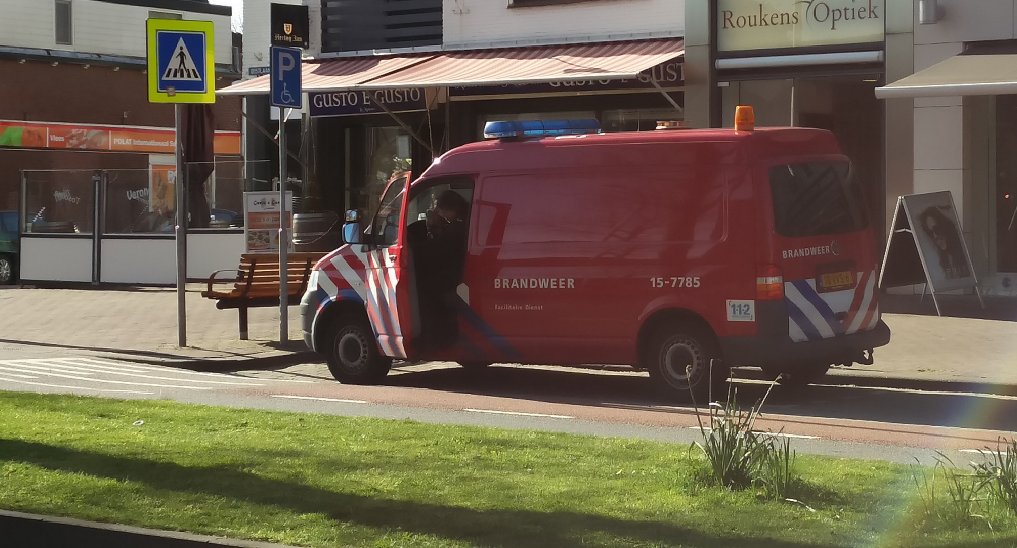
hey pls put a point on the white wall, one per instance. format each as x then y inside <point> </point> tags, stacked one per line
<point>97,27</point>
<point>476,23</point>
<point>143,260</point>
<point>939,122</point>
<point>55,259</point>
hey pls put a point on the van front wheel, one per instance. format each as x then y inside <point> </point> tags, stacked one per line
<point>679,360</point>
<point>352,353</point>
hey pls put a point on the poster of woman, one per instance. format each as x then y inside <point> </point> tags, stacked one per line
<point>937,231</point>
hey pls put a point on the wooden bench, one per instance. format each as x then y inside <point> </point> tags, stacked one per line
<point>257,283</point>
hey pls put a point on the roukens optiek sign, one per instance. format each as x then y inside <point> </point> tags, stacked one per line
<point>780,24</point>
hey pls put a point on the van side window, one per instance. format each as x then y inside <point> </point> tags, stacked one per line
<point>815,199</point>
<point>385,228</point>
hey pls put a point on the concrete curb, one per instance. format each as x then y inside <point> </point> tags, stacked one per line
<point>35,530</point>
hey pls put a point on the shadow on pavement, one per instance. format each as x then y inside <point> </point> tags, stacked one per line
<point>227,361</point>
<point>582,387</point>
<point>491,527</point>
<point>126,352</point>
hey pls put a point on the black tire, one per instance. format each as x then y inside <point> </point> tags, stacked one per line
<point>797,376</point>
<point>679,359</point>
<point>6,269</point>
<point>352,352</point>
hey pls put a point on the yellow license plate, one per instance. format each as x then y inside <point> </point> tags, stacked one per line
<point>835,281</point>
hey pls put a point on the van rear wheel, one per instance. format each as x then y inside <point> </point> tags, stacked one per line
<point>679,360</point>
<point>352,353</point>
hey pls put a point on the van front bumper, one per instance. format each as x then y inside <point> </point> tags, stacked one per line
<point>766,351</point>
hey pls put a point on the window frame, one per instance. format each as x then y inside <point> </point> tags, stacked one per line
<point>58,37</point>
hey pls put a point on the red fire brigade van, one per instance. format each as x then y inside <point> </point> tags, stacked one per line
<point>672,251</point>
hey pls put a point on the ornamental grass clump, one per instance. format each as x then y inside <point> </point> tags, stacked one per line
<point>1000,473</point>
<point>740,457</point>
<point>963,501</point>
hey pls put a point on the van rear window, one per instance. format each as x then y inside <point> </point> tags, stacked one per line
<point>816,198</point>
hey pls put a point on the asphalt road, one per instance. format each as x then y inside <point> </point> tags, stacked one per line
<point>895,424</point>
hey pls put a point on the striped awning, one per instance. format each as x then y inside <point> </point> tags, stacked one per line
<point>534,64</point>
<point>332,74</point>
<point>958,76</point>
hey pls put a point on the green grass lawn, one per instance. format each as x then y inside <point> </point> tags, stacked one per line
<point>325,481</point>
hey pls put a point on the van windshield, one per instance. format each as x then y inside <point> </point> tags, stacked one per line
<point>816,198</point>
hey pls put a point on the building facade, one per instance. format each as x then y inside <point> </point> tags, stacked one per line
<point>958,112</point>
<point>75,69</point>
<point>361,136</point>
<point>84,157</point>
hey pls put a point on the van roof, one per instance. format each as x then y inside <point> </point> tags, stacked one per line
<point>700,146</point>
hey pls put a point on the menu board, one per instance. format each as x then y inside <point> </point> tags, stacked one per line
<point>261,221</point>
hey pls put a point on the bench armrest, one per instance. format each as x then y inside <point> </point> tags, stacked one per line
<point>212,280</point>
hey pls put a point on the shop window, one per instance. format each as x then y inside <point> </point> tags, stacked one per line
<point>63,22</point>
<point>639,119</point>
<point>355,25</point>
<point>389,156</point>
<point>1006,183</point>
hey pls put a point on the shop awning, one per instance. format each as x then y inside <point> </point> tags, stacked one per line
<point>332,74</point>
<point>965,74</point>
<point>534,64</point>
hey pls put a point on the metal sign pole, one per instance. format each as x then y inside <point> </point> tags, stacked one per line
<point>283,241</point>
<point>181,69</point>
<point>181,231</point>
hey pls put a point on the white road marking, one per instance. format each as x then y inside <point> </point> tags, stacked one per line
<point>167,369</point>
<point>922,392</point>
<point>517,413</point>
<point>113,371</point>
<point>316,399</point>
<point>77,387</point>
<point>22,376</point>
<point>982,451</point>
<point>86,379</point>
<point>80,361</point>
<point>785,435</point>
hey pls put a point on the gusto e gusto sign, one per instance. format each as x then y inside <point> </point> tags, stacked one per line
<point>780,24</point>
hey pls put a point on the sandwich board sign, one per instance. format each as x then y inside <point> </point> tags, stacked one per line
<point>181,61</point>
<point>926,246</point>
<point>261,221</point>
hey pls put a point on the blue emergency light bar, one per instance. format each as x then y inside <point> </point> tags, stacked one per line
<point>539,128</point>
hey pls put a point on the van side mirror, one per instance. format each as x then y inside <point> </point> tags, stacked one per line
<point>351,228</point>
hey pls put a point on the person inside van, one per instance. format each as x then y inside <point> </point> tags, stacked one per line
<point>440,257</point>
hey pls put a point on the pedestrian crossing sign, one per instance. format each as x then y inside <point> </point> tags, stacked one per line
<point>181,61</point>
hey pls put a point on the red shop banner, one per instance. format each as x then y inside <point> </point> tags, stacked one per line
<point>52,135</point>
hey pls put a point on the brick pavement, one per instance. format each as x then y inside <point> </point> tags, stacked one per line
<point>140,322</point>
<point>974,346</point>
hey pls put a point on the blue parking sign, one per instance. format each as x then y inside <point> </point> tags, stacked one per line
<point>284,74</point>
